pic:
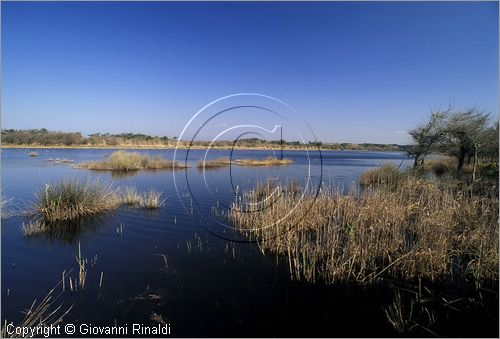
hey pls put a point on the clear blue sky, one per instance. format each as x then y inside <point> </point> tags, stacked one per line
<point>358,72</point>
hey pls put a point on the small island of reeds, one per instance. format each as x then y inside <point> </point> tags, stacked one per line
<point>269,161</point>
<point>132,161</point>
<point>225,162</point>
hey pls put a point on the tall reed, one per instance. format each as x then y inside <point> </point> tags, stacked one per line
<point>417,229</point>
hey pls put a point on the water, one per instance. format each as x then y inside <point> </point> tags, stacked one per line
<point>207,286</point>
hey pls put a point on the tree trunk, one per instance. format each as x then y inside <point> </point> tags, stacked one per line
<point>415,162</point>
<point>461,159</point>
<point>475,164</point>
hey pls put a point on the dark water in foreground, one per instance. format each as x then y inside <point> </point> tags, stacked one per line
<point>208,286</point>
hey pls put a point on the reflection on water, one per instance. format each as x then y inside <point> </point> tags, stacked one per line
<point>166,263</point>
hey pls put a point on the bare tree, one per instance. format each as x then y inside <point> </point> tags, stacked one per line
<point>465,134</point>
<point>427,135</point>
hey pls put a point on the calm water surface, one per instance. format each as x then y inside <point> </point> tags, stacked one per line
<point>207,286</point>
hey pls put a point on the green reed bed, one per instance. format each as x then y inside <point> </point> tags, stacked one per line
<point>417,229</point>
<point>132,161</point>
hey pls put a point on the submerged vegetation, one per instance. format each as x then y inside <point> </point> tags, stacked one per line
<point>402,229</point>
<point>132,161</point>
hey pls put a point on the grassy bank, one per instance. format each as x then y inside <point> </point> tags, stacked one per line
<point>412,228</point>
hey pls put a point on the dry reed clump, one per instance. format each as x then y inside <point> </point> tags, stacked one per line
<point>32,154</point>
<point>269,161</point>
<point>132,161</point>
<point>73,199</point>
<point>47,313</point>
<point>215,163</point>
<point>414,230</point>
<point>150,199</point>
<point>387,174</point>
<point>130,196</point>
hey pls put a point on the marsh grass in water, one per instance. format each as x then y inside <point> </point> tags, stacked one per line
<point>132,161</point>
<point>151,199</point>
<point>215,163</point>
<point>415,229</point>
<point>72,199</point>
<point>61,208</point>
<point>269,161</point>
<point>39,316</point>
<point>32,154</point>
<point>5,211</point>
<point>225,162</point>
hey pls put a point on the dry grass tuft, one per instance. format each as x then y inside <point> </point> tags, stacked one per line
<point>151,199</point>
<point>269,161</point>
<point>130,196</point>
<point>132,161</point>
<point>72,199</point>
<point>417,229</point>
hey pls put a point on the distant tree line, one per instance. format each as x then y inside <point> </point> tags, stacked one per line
<point>43,137</point>
<point>469,135</point>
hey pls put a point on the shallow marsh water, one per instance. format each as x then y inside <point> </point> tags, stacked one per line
<point>173,261</point>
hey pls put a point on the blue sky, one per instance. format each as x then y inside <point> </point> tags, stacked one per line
<point>357,72</point>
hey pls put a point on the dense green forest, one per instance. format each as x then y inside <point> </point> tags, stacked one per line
<point>44,137</point>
